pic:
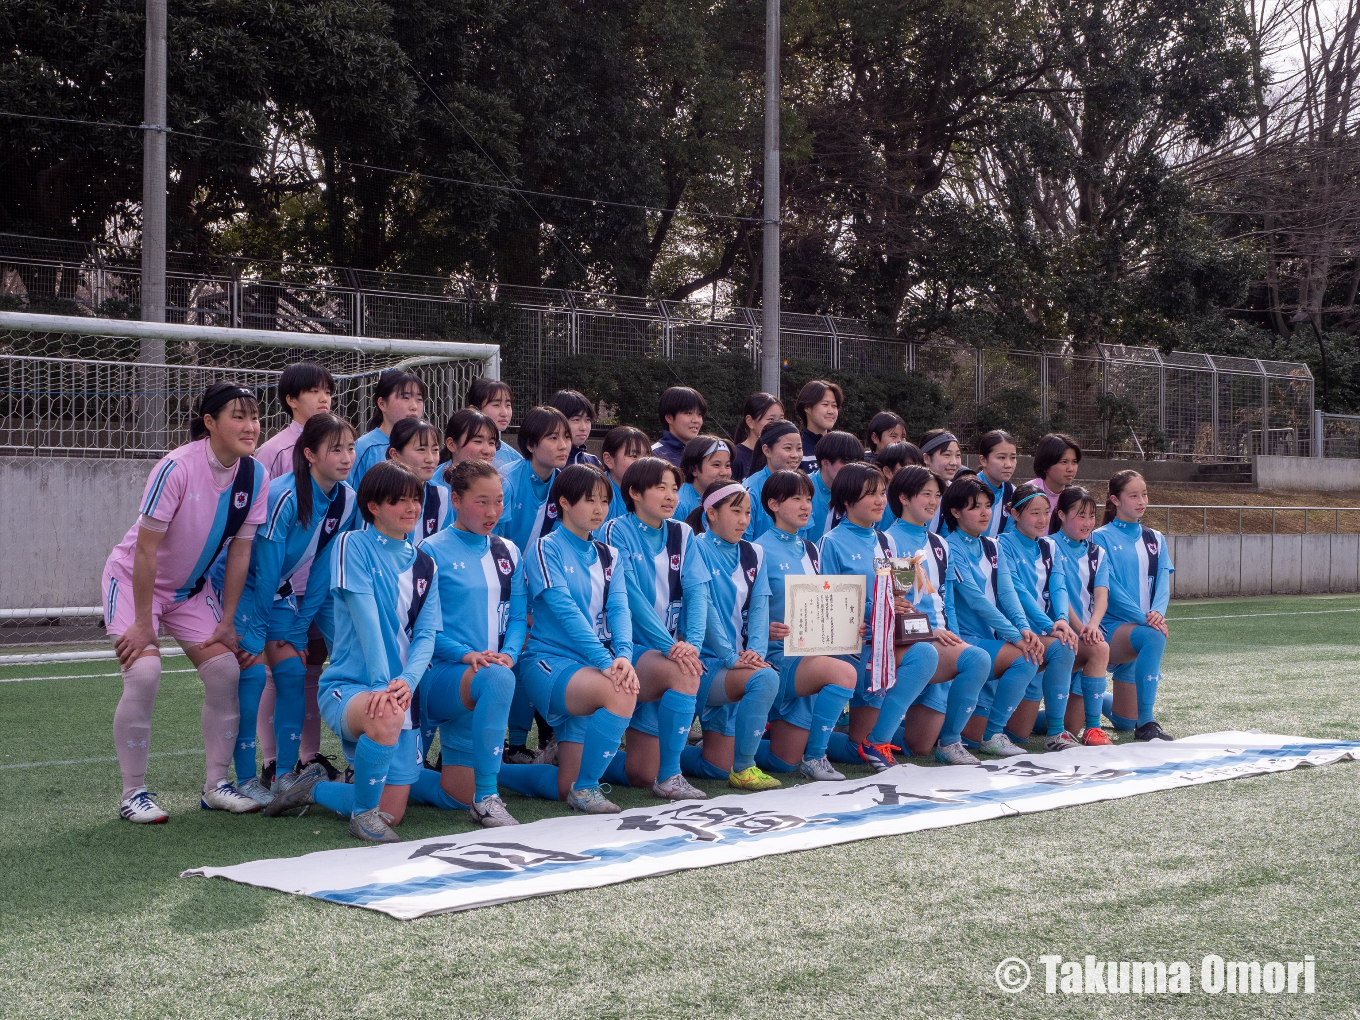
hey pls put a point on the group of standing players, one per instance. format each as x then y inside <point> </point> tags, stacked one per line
<point>451,584</point>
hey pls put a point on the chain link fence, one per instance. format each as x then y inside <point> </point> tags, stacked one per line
<point>1116,400</point>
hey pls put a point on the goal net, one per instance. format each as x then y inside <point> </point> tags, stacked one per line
<point>86,407</point>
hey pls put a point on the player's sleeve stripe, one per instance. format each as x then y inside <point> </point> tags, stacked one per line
<point>340,560</point>
<point>278,512</point>
<point>543,563</point>
<point>157,487</point>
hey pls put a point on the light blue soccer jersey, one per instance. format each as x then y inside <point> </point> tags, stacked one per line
<point>911,539</point>
<point>369,449</point>
<point>290,563</point>
<point>823,518</point>
<point>578,597</point>
<point>403,583</point>
<point>527,516</point>
<point>1140,570</point>
<point>436,513</point>
<point>506,455</point>
<point>1001,515</point>
<point>984,598</point>
<point>850,549</point>
<point>785,555</point>
<point>481,592</point>
<point>760,518</point>
<point>617,507</point>
<point>1086,567</point>
<point>667,581</point>
<point>688,503</point>
<point>738,617</point>
<point>1037,576</point>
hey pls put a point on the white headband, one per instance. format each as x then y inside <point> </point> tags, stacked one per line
<point>730,489</point>
<point>718,444</point>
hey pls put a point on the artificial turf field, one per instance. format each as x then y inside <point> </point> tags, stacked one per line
<point>94,920</point>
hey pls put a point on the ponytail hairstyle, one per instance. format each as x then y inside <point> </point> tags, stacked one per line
<point>991,440</point>
<point>697,518</point>
<point>879,424</point>
<point>963,494</point>
<point>462,426</point>
<point>1119,481</point>
<point>896,456</point>
<point>216,399</point>
<point>1023,495</point>
<point>408,430</point>
<point>1071,499</point>
<point>854,482</point>
<point>461,476</point>
<point>907,484</point>
<point>755,407</point>
<point>322,430</point>
<point>390,382</point>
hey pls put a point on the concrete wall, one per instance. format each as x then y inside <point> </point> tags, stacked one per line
<point>1307,474</point>
<point>59,518</point>
<point>1215,565</point>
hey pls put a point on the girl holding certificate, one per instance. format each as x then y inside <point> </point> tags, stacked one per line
<point>914,497</point>
<point>813,689</point>
<point>852,548</point>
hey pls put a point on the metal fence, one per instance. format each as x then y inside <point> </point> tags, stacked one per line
<point>1338,435</point>
<point>1191,519</point>
<point>1116,400</point>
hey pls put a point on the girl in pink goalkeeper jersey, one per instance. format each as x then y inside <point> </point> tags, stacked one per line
<point>199,497</point>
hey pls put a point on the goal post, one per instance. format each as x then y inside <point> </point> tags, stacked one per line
<point>84,412</point>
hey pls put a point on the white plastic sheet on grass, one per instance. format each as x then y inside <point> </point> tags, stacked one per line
<point>477,869</point>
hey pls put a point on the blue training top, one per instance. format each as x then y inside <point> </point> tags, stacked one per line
<point>910,539</point>
<point>527,516</point>
<point>1001,515</point>
<point>688,503</point>
<point>851,549</point>
<point>760,520</point>
<point>579,600</point>
<point>785,554</point>
<point>289,563</point>
<point>823,518</point>
<point>1140,570</point>
<point>984,597</point>
<point>617,507</point>
<point>667,582</point>
<point>739,614</point>
<point>369,449</point>
<point>506,455</point>
<point>1086,567</point>
<point>482,593</point>
<point>387,610</point>
<point>1037,576</point>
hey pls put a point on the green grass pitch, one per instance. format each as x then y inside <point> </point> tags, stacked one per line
<point>94,921</point>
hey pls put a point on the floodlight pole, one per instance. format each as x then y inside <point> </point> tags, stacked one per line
<point>154,130</point>
<point>770,360</point>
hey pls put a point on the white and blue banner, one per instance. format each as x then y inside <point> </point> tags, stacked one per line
<point>476,869</point>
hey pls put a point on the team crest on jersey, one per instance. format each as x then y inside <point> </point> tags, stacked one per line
<point>240,500</point>
<point>551,511</point>
<point>939,552</point>
<point>430,524</point>
<point>330,524</point>
<point>504,565</point>
<point>675,562</point>
<point>608,573</point>
<point>1152,547</point>
<point>421,585</point>
<point>751,575</point>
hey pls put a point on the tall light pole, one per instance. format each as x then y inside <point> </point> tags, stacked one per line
<point>770,361</point>
<point>154,129</point>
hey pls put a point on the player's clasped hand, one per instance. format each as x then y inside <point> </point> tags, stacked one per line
<point>687,657</point>
<point>779,631</point>
<point>129,645</point>
<point>1065,634</point>
<point>480,660</point>
<point>622,675</point>
<point>750,659</point>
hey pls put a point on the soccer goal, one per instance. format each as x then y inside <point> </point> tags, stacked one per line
<point>87,405</point>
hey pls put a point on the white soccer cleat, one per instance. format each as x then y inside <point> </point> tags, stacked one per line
<point>677,787</point>
<point>819,770</point>
<point>491,813</point>
<point>1002,746</point>
<point>1061,742</point>
<point>138,807</point>
<point>954,754</point>
<point>547,754</point>
<point>224,797</point>
<point>256,791</point>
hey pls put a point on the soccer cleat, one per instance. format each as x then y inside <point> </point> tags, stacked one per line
<point>138,807</point>
<point>592,801</point>
<point>491,813</point>
<point>819,770</point>
<point>696,732</point>
<point>225,797</point>
<point>954,754</point>
<point>517,754</point>
<point>1063,741</point>
<point>348,775</point>
<point>878,757</point>
<point>324,760</point>
<point>437,765</point>
<point>267,774</point>
<point>295,790</point>
<point>256,791</point>
<point>752,779</point>
<point>677,787</point>
<point>1002,746</point>
<point>1151,731</point>
<point>1096,737</point>
<point>547,754</point>
<point>373,826</point>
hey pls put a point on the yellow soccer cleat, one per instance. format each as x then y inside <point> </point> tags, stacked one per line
<point>752,779</point>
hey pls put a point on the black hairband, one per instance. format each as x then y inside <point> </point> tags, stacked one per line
<point>219,400</point>
<point>775,430</point>
<point>943,439</point>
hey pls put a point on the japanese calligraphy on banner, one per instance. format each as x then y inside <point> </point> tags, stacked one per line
<point>555,855</point>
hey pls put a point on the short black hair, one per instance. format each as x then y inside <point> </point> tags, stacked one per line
<point>907,484</point>
<point>697,450</point>
<point>572,403</point>
<point>838,447</point>
<point>305,375</point>
<point>962,494</point>
<point>460,478</point>
<point>465,423</point>
<point>628,439</point>
<point>1074,496</point>
<point>899,455</point>
<point>484,390</point>
<point>540,422</point>
<point>385,483</point>
<point>215,400</point>
<point>678,400</point>
<point>853,483</point>
<point>1051,449</point>
<point>812,393</point>
<point>407,431</point>
<point>574,483</point>
<point>646,473</point>
<point>392,381</point>
<point>782,485</point>
<point>881,423</point>
<point>991,440</point>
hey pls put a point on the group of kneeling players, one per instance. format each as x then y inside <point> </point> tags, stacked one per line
<point>451,584</point>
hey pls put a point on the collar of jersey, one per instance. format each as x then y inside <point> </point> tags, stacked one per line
<point>965,538</point>
<point>784,536</point>
<point>471,540</point>
<point>1132,527</point>
<point>719,542</point>
<point>1068,540</point>
<point>855,529</point>
<point>913,530</point>
<point>569,537</point>
<point>988,482</point>
<point>1020,536</point>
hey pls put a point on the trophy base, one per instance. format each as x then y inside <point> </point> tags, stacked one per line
<point>911,629</point>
